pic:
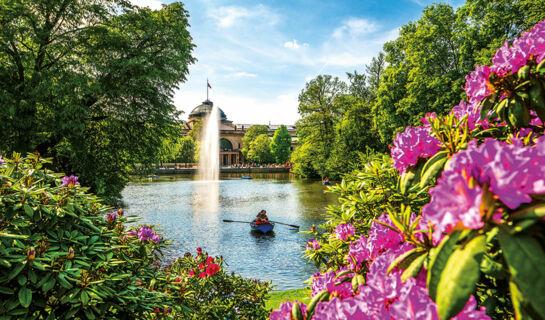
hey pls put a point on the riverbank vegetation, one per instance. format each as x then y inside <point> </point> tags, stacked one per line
<point>64,254</point>
<point>422,71</point>
<point>90,83</point>
<point>451,226</point>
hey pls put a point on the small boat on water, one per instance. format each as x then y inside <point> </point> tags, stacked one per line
<point>262,227</point>
<point>247,177</point>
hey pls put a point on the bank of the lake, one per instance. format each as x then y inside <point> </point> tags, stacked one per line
<point>182,207</point>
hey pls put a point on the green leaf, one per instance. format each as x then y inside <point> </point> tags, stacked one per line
<point>25,297</point>
<point>404,260</point>
<point>526,259</point>
<point>414,268</point>
<point>438,261</point>
<point>28,210</point>
<point>459,277</point>
<point>15,271</point>
<point>84,298</point>
<point>432,168</point>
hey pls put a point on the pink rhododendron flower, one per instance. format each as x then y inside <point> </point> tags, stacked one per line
<point>426,120</point>
<point>323,281</point>
<point>473,112</point>
<point>284,311</point>
<point>156,238</point>
<point>1,160</point>
<point>110,217</point>
<point>510,59</point>
<point>411,145</point>
<point>313,244</point>
<point>145,233</point>
<point>202,274</point>
<point>344,230</point>
<point>191,273</point>
<point>477,84</point>
<point>70,181</point>
<point>453,201</point>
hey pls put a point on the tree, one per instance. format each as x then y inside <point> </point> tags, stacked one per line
<point>281,144</point>
<point>428,62</point>
<point>320,111</point>
<point>260,150</point>
<point>186,152</point>
<point>251,134</point>
<point>91,83</point>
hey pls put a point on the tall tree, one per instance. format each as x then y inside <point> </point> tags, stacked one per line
<point>251,134</point>
<point>91,83</point>
<point>320,111</point>
<point>281,145</point>
<point>260,150</point>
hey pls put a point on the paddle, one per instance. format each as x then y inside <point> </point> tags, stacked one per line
<point>291,225</point>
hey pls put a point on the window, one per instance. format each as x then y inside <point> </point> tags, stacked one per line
<point>225,145</point>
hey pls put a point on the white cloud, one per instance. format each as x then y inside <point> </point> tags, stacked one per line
<point>152,4</point>
<point>230,16</point>
<point>245,74</point>
<point>354,27</point>
<point>294,44</point>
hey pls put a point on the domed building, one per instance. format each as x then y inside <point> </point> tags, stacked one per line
<point>231,134</point>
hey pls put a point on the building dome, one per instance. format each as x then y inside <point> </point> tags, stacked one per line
<point>205,108</point>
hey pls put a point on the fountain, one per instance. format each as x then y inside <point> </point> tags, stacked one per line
<point>209,169</point>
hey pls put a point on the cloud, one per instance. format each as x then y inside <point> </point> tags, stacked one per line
<point>245,74</point>
<point>152,4</point>
<point>230,16</point>
<point>354,27</point>
<point>294,44</point>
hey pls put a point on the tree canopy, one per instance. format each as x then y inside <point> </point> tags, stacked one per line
<point>260,150</point>
<point>91,83</point>
<point>281,145</point>
<point>251,134</point>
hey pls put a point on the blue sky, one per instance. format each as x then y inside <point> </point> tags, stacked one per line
<point>259,55</point>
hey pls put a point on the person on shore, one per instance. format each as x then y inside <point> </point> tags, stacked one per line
<point>261,217</point>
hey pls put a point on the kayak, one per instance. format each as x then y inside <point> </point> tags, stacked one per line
<point>326,183</point>
<point>263,227</point>
<point>247,177</point>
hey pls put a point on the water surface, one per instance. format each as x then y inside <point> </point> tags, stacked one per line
<point>189,215</point>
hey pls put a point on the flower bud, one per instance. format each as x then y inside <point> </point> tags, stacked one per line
<point>31,254</point>
<point>70,255</point>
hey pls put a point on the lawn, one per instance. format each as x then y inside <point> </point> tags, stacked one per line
<point>277,297</point>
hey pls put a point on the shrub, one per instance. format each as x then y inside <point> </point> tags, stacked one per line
<point>64,254</point>
<point>459,232</point>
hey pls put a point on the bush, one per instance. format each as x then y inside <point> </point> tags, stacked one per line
<point>64,254</point>
<point>458,233</point>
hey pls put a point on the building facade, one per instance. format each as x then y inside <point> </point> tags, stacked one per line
<point>231,134</point>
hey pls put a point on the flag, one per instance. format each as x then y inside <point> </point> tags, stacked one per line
<point>208,84</point>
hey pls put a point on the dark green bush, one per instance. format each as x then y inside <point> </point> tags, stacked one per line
<point>66,255</point>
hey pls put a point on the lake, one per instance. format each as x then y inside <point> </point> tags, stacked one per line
<point>190,213</point>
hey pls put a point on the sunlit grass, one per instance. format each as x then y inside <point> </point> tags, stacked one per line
<point>277,297</point>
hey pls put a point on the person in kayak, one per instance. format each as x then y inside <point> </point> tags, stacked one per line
<point>261,217</point>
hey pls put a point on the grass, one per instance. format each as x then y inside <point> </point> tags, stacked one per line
<point>277,297</point>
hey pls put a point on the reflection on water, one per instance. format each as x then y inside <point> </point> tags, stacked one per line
<point>190,217</point>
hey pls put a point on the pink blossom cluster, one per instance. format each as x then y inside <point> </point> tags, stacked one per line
<point>327,280</point>
<point>70,181</point>
<point>145,233</point>
<point>1,160</point>
<point>344,230</point>
<point>411,145</point>
<point>380,239</point>
<point>511,172</point>
<point>382,297</point>
<point>478,84</point>
<point>473,112</point>
<point>512,58</point>
<point>313,244</point>
<point>284,311</point>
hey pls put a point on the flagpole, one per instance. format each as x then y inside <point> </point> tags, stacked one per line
<point>206,89</point>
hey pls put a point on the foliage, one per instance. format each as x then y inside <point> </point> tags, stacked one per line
<point>91,83</point>
<point>456,230</point>
<point>260,150</point>
<point>186,151</point>
<point>64,254</point>
<point>428,61</point>
<point>281,145</point>
<point>337,126</point>
<point>251,134</point>
<point>212,293</point>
